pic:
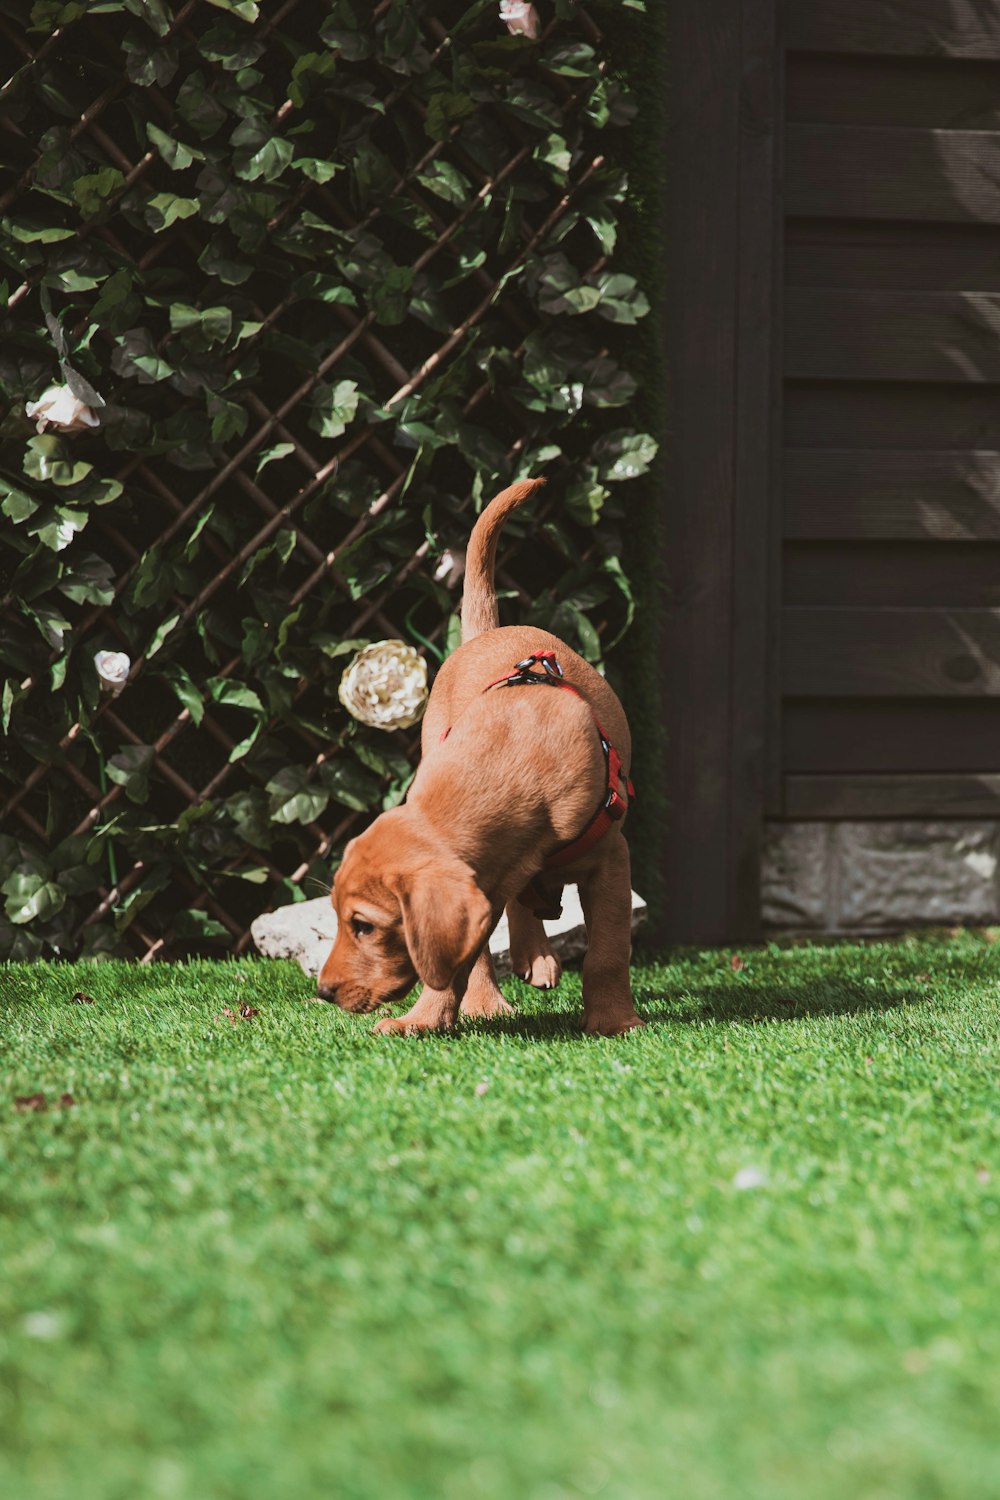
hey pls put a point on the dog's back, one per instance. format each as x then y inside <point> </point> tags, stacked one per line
<point>489,650</point>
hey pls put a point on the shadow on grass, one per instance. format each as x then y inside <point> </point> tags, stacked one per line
<point>757,1004</point>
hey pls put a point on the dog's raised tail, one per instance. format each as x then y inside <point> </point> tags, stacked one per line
<point>479,601</point>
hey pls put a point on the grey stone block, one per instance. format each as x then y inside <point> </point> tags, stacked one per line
<point>305,932</point>
<point>795,876</point>
<point>904,874</point>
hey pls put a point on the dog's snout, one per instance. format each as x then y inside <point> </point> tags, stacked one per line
<point>327,992</point>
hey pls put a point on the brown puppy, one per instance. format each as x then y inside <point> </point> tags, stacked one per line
<point>510,778</point>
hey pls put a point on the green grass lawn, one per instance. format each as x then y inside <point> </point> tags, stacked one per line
<point>751,1253</point>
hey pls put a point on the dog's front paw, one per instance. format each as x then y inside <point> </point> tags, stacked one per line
<point>485,1007</point>
<point>402,1026</point>
<point>544,971</point>
<point>394,1026</point>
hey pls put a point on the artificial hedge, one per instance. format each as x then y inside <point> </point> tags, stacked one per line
<point>328,277</point>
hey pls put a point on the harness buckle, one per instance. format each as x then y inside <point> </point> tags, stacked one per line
<point>547,659</point>
<point>614,804</point>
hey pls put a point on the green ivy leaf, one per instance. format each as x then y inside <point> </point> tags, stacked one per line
<point>93,191</point>
<point>188,694</point>
<point>198,106</point>
<point>624,455</point>
<point>233,694</point>
<point>445,109</point>
<point>585,498</point>
<point>246,10</point>
<point>31,232</point>
<point>350,784</point>
<point>275,454</point>
<point>260,153</point>
<point>554,153</point>
<point>51,623</point>
<point>147,65</point>
<point>60,531</point>
<point>333,407</point>
<point>445,181</point>
<point>293,799</point>
<point>16,505</point>
<point>318,170</point>
<point>389,297</point>
<point>165,209</point>
<point>47,459</point>
<point>172,152</point>
<point>216,261</point>
<point>573,60</point>
<point>621,301</point>
<point>31,896</point>
<point>130,769</point>
<point>213,325</point>
<point>161,632</point>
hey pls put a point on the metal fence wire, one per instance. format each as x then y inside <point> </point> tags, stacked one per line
<point>314,282</point>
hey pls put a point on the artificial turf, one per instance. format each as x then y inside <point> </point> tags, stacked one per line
<point>749,1253</point>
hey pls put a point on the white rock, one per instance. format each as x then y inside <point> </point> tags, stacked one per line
<point>306,930</point>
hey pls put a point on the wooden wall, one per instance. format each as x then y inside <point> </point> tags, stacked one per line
<point>890,603</point>
<point>832,647</point>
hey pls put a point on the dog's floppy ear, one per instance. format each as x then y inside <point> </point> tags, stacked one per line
<point>446,920</point>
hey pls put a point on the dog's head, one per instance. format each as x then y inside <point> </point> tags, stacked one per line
<point>406,910</point>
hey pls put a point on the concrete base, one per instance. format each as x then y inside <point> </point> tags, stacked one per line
<point>872,877</point>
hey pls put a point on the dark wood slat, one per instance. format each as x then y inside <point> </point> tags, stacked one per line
<point>903,574</point>
<point>698,529</point>
<point>719,150</point>
<point>911,28</point>
<point>894,652</point>
<point>845,334</point>
<point>867,493</point>
<point>918,735</point>
<point>754,753</point>
<point>892,796</point>
<point>865,253</point>
<point>843,171</point>
<point>884,415</point>
<point>940,94</point>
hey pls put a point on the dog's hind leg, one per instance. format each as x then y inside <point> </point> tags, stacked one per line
<point>606,897</point>
<point>482,997</point>
<point>531,958</point>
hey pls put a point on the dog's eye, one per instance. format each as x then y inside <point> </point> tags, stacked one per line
<point>361,928</point>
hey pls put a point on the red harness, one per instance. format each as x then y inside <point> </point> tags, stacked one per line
<point>613,805</point>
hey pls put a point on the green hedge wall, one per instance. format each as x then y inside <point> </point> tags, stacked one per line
<point>327,277</point>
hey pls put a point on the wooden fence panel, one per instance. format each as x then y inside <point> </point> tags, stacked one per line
<point>900,28</point>
<point>890,619</point>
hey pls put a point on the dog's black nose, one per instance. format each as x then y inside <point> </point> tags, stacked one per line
<point>327,992</point>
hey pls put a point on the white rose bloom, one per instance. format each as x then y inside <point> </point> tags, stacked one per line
<point>519,17</point>
<point>451,566</point>
<point>385,685</point>
<point>58,407</point>
<point>113,668</point>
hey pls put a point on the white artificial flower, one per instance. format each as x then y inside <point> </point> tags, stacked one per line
<point>385,685</point>
<point>451,566</point>
<point>113,668</point>
<point>519,18</point>
<point>58,407</point>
